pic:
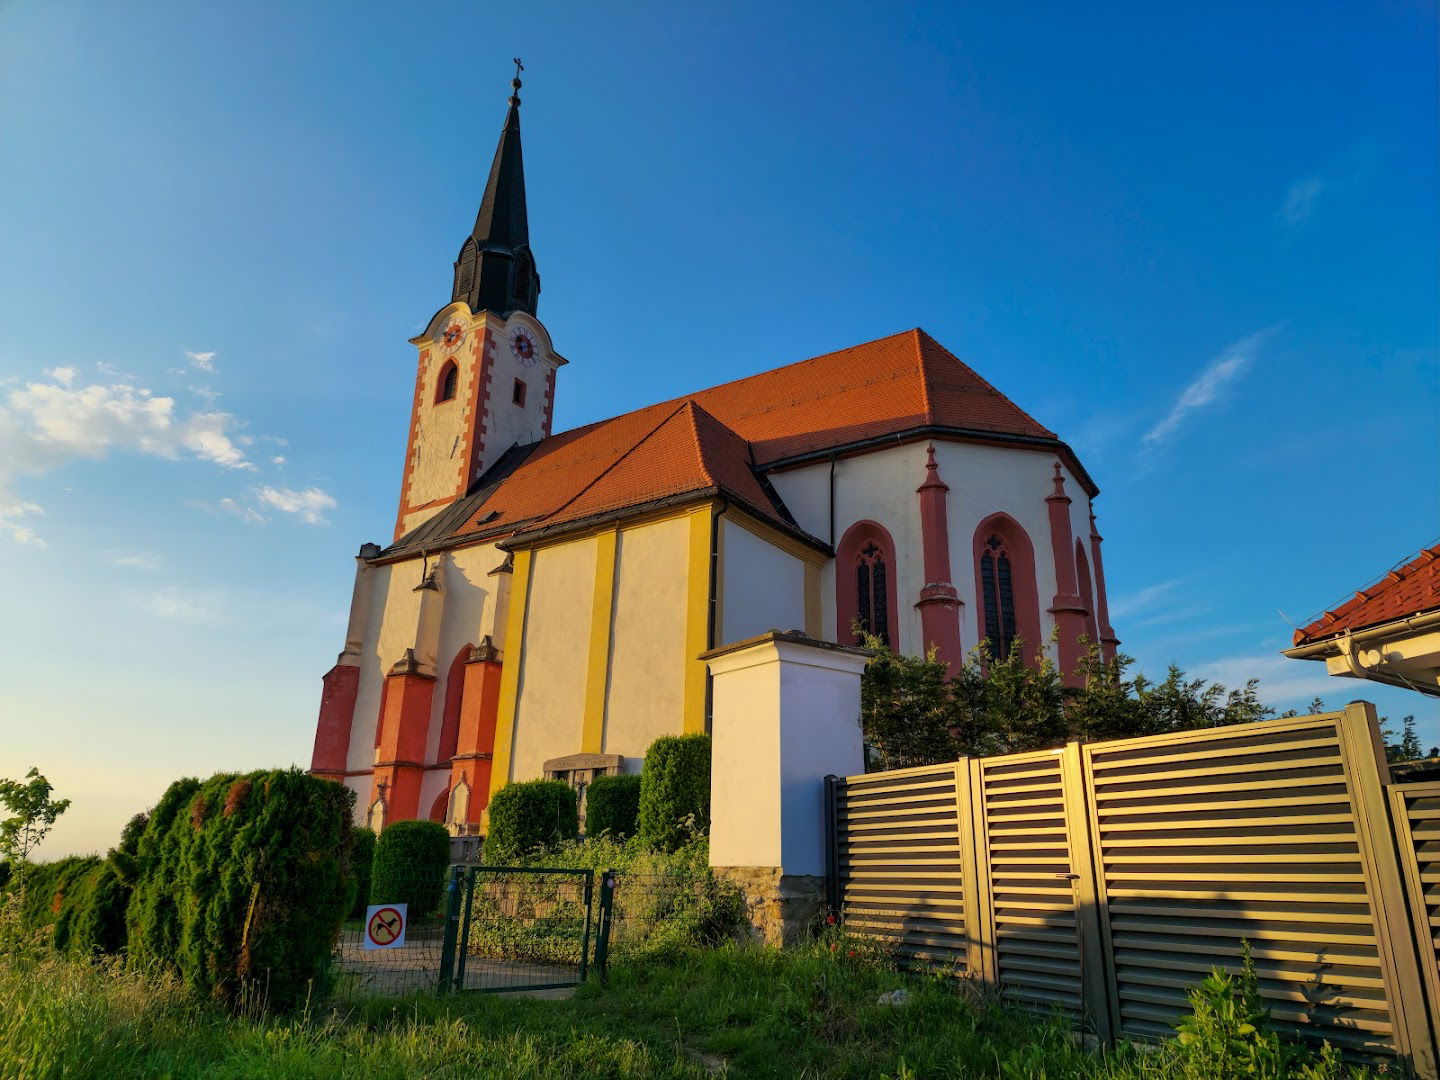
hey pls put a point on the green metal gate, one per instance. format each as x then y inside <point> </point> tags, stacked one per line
<point>510,928</point>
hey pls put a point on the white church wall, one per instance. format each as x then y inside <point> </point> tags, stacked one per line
<point>880,486</point>
<point>764,586</point>
<point>469,590</point>
<point>505,422</point>
<point>440,428</point>
<point>551,701</point>
<point>646,693</point>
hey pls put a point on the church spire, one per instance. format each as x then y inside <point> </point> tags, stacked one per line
<point>496,270</point>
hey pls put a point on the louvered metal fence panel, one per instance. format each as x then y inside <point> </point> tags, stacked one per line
<point>899,860</point>
<point>1415,810</point>
<point>1209,837</point>
<point>1023,847</point>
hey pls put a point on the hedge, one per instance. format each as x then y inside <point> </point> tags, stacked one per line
<point>362,859</point>
<point>530,817</point>
<point>409,867</point>
<point>675,791</point>
<point>612,806</point>
<point>77,903</point>
<point>242,882</point>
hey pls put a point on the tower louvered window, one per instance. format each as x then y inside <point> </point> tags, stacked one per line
<point>872,587</point>
<point>997,596</point>
<point>447,383</point>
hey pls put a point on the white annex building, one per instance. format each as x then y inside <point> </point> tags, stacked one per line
<point>546,599</point>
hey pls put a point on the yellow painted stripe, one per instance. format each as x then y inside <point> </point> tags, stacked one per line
<point>697,620</point>
<point>510,671</point>
<point>593,734</point>
<point>812,601</point>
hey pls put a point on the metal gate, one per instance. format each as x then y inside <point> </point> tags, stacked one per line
<point>511,928</point>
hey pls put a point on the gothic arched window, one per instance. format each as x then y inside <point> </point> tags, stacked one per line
<point>872,587</point>
<point>997,592</point>
<point>865,585</point>
<point>450,715</point>
<point>448,378</point>
<point>1007,604</point>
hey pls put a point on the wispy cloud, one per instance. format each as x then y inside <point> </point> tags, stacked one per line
<point>205,361</point>
<point>1283,682</point>
<point>1141,599</point>
<point>10,512</point>
<point>247,514</point>
<point>1206,387</point>
<point>174,603</point>
<point>1301,198</point>
<point>137,561</point>
<point>309,505</point>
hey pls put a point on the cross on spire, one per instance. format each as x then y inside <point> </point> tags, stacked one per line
<point>515,82</point>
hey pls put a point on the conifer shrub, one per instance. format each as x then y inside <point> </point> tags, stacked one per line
<point>362,859</point>
<point>675,791</point>
<point>530,818</point>
<point>241,884</point>
<point>612,806</point>
<point>409,866</point>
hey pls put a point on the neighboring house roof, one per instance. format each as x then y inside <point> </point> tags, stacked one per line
<point>1411,589</point>
<point>723,439</point>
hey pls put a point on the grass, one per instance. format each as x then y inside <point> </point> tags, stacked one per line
<point>739,1011</point>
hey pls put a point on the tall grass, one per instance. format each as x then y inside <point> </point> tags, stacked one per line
<point>744,1011</point>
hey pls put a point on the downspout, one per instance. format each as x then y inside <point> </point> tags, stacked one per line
<point>832,502</point>
<point>1346,645</point>
<point>713,606</point>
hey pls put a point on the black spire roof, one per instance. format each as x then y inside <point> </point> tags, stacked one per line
<point>496,270</point>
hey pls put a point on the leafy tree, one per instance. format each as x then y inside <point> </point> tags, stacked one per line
<point>32,814</point>
<point>1408,748</point>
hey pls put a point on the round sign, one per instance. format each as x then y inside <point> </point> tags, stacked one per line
<point>385,926</point>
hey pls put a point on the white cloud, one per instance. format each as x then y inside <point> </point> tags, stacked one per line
<point>175,603</point>
<point>1130,603</point>
<point>137,561</point>
<point>1300,199</point>
<point>247,514</point>
<point>47,425</point>
<point>1205,389</point>
<point>310,504</point>
<point>205,361</point>
<point>278,459</point>
<point>1283,681</point>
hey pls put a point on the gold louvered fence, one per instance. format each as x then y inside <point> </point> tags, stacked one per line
<point>1104,880</point>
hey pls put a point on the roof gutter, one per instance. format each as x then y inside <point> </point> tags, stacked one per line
<point>1346,646</point>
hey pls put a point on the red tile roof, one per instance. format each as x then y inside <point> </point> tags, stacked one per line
<point>718,438</point>
<point>1407,590</point>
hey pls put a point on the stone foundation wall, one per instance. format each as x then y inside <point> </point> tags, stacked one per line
<point>782,908</point>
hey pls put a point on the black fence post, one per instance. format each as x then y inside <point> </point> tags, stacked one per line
<point>452,931</point>
<point>832,846</point>
<point>602,935</point>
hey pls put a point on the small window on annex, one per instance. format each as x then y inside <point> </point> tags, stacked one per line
<point>865,584</point>
<point>518,394</point>
<point>1008,609</point>
<point>997,590</point>
<point>448,379</point>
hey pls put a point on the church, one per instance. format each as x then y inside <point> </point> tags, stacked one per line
<point>543,606</point>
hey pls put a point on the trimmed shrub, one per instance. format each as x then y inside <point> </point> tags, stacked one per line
<point>409,866</point>
<point>241,884</point>
<point>529,818</point>
<point>675,791</point>
<point>612,806</point>
<point>362,861</point>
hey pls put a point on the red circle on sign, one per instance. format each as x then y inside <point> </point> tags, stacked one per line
<point>385,926</point>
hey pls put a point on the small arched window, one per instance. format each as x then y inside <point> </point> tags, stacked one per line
<point>865,584</point>
<point>449,377</point>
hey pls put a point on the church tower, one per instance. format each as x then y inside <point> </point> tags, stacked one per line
<point>485,377</point>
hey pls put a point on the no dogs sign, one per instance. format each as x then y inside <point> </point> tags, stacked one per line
<point>385,926</point>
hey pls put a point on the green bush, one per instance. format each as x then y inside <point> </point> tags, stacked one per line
<point>241,884</point>
<point>612,806</point>
<point>675,791</point>
<point>362,862</point>
<point>530,817</point>
<point>75,905</point>
<point>409,866</point>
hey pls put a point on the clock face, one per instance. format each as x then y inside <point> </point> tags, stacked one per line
<point>451,337</point>
<point>523,347</point>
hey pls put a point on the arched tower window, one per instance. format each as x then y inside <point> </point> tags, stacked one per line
<point>1007,605</point>
<point>449,377</point>
<point>865,584</point>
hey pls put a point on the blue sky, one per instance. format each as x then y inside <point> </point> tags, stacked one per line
<point>1197,240</point>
